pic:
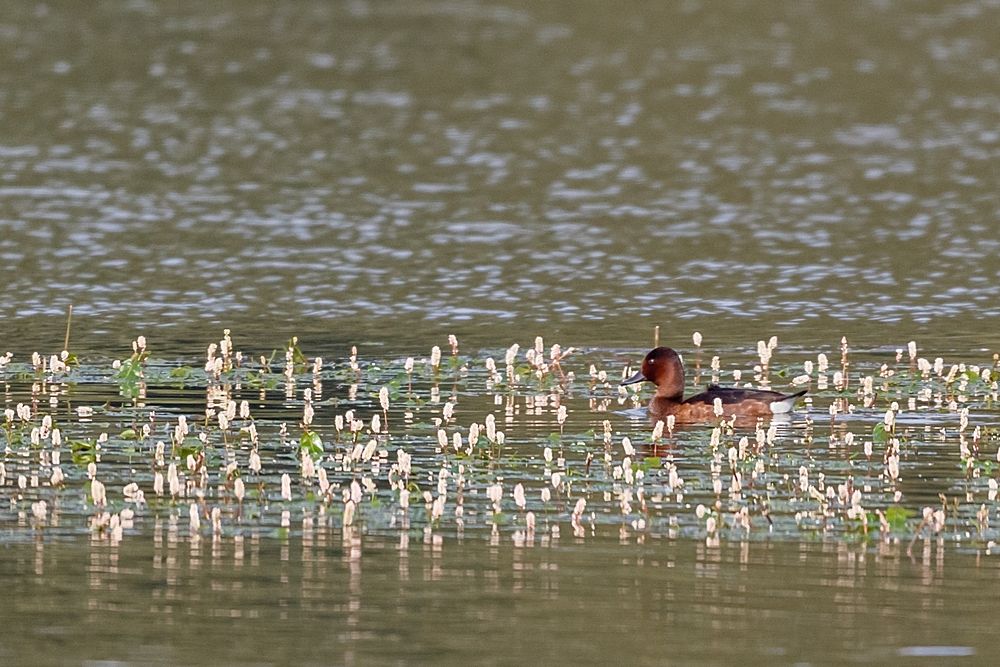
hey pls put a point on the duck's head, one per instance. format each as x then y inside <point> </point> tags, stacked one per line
<point>664,368</point>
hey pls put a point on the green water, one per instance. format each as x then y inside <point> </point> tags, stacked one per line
<point>384,174</point>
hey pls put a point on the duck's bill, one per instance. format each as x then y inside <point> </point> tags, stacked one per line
<point>638,377</point>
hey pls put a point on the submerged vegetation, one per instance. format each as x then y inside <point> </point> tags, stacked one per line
<point>520,444</point>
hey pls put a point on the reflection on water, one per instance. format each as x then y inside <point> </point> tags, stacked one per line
<point>391,168</point>
<point>327,595</point>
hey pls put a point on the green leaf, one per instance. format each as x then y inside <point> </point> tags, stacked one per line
<point>297,357</point>
<point>191,447</point>
<point>131,369</point>
<point>312,443</point>
<point>129,434</point>
<point>879,433</point>
<point>261,380</point>
<point>897,516</point>
<point>80,445</point>
<point>83,452</point>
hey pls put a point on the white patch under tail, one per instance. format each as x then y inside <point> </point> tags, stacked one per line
<point>785,405</point>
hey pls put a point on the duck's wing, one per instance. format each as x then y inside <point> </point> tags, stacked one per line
<point>729,395</point>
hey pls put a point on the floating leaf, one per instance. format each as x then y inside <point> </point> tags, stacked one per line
<point>83,451</point>
<point>897,516</point>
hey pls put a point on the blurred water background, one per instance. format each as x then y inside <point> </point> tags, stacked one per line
<point>386,171</point>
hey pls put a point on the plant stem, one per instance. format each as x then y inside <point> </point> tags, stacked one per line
<point>69,321</point>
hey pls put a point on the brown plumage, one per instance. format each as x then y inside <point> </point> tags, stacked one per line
<point>664,368</point>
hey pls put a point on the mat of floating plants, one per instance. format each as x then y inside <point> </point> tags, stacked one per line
<point>524,443</point>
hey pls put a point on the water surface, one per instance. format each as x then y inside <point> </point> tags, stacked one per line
<point>388,173</point>
<point>382,171</point>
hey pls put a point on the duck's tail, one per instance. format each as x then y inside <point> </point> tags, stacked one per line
<point>786,404</point>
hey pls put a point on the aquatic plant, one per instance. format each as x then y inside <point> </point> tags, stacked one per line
<point>504,449</point>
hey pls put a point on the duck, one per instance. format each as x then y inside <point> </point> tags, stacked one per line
<point>664,367</point>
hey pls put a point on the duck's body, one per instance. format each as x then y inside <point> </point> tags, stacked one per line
<point>664,368</point>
